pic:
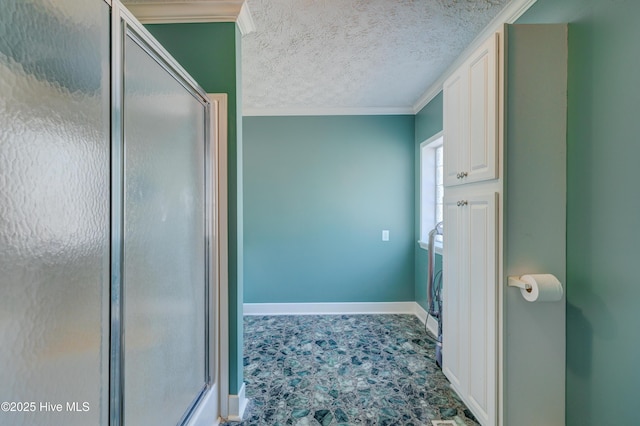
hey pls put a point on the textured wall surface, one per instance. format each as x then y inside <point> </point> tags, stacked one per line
<point>318,193</point>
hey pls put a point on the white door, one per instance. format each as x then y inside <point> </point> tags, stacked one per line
<point>481,217</point>
<point>455,314</point>
<point>469,306</point>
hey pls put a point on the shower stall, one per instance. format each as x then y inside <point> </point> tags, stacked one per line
<point>108,287</point>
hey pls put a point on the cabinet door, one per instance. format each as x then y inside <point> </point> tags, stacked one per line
<point>470,118</point>
<point>481,221</point>
<point>455,315</point>
<point>469,305</point>
<point>483,114</point>
<point>455,126</point>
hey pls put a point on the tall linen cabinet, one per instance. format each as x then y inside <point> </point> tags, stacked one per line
<point>505,214</point>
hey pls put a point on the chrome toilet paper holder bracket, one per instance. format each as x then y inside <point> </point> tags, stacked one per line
<point>513,281</point>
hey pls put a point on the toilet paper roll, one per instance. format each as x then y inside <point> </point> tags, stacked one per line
<point>544,288</point>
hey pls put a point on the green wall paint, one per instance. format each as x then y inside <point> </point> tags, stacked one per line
<point>535,238</point>
<point>211,54</point>
<point>429,119</point>
<point>428,123</point>
<point>318,193</point>
<point>603,228</point>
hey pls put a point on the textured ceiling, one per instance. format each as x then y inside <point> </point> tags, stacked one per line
<point>312,55</point>
<point>320,54</point>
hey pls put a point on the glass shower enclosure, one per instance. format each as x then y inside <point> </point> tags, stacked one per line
<point>107,251</point>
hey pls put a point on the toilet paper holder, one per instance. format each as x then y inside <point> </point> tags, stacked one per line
<point>514,281</point>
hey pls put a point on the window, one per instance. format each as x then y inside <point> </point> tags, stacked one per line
<point>431,188</point>
<point>439,200</point>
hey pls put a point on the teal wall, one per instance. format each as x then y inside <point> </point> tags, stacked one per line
<point>428,123</point>
<point>603,224</point>
<point>318,193</point>
<point>211,54</point>
<point>429,119</point>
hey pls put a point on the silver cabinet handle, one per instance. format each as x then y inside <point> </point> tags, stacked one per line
<point>462,203</point>
<point>462,175</point>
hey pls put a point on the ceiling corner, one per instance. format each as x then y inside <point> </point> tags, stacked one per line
<point>245,21</point>
<point>508,15</point>
<point>187,12</point>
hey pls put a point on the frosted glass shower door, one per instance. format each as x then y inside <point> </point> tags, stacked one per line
<point>54,212</point>
<point>164,255</point>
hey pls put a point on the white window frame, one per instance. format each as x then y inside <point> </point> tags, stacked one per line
<point>427,176</point>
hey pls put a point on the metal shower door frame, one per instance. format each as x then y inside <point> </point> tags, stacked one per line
<point>124,24</point>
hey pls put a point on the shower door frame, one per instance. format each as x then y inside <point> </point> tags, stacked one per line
<point>205,408</point>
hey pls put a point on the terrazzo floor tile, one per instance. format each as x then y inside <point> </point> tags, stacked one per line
<point>344,370</point>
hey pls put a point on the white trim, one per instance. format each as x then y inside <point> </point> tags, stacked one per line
<point>338,308</point>
<point>342,308</point>
<point>194,11</point>
<point>205,413</point>
<point>223,251</point>
<point>237,404</point>
<point>437,246</point>
<point>245,20</point>
<point>427,184</point>
<point>508,15</point>
<point>432,323</point>
<point>247,112</point>
<point>420,312</point>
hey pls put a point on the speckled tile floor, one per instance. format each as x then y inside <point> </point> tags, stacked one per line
<point>344,370</point>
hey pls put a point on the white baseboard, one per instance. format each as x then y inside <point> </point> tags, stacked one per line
<point>432,323</point>
<point>207,411</point>
<point>420,312</point>
<point>342,308</point>
<point>237,405</point>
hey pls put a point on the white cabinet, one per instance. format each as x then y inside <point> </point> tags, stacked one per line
<point>471,218</point>
<point>505,214</point>
<point>471,118</point>
<point>470,296</point>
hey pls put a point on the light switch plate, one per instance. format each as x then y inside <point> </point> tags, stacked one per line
<point>385,235</point>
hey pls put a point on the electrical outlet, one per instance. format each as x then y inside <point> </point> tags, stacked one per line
<point>385,235</point>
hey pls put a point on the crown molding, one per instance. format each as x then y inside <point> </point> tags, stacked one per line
<point>508,15</point>
<point>194,11</point>
<point>245,20</point>
<point>252,112</point>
